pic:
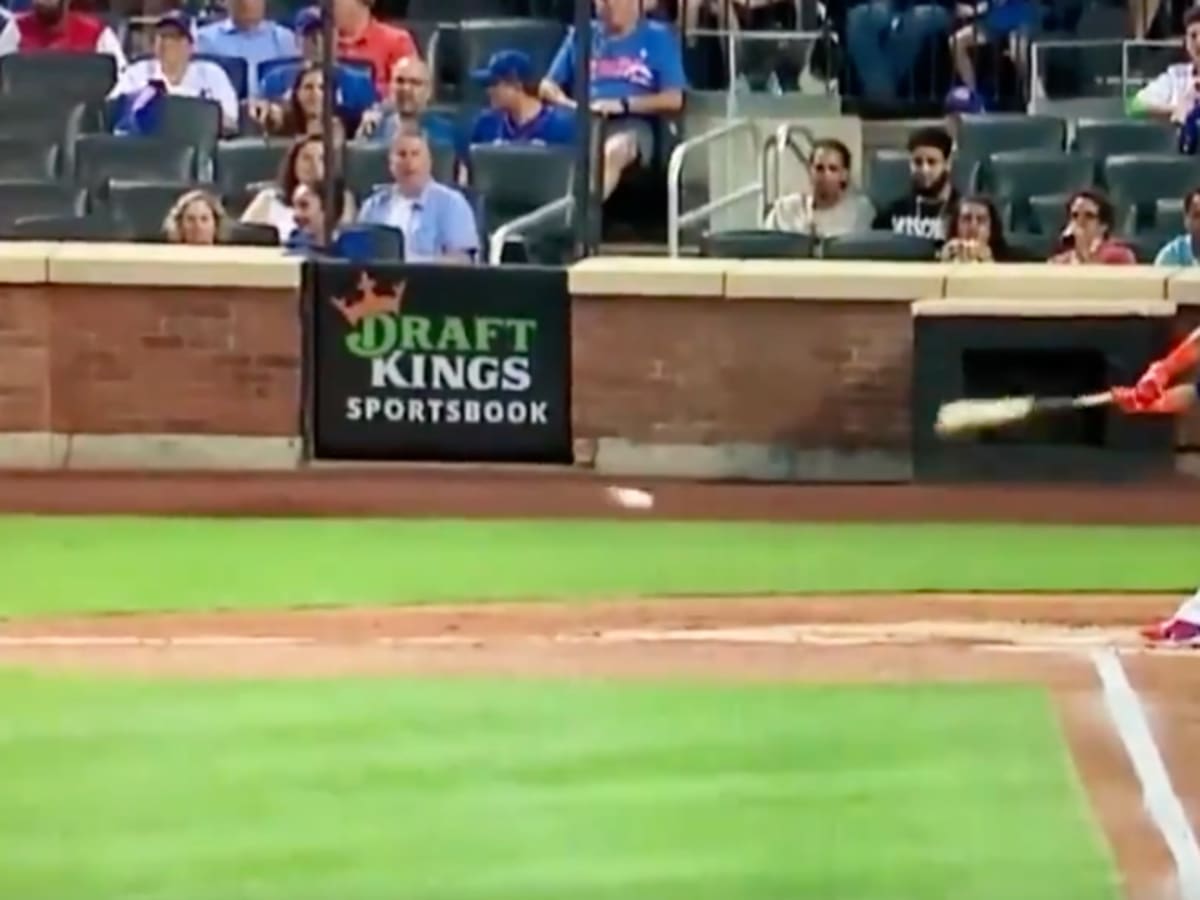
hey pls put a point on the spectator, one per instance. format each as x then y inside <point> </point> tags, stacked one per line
<point>517,114</point>
<point>923,212</point>
<point>361,36</point>
<point>990,23</point>
<point>884,39</point>
<point>1173,94</point>
<point>248,34</point>
<point>436,220</point>
<point>173,71</point>
<point>1182,250</point>
<point>52,25</point>
<point>411,89</point>
<point>304,164</point>
<point>354,88</point>
<point>1088,238</point>
<point>975,233</point>
<point>308,204</point>
<point>196,218</point>
<point>300,114</point>
<point>637,76</point>
<point>833,208</point>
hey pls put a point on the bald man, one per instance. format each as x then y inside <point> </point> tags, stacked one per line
<point>409,91</point>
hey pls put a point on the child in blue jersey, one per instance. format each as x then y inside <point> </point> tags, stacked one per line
<point>636,76</point>
<point>517,115</point>
<point>1169,387</point>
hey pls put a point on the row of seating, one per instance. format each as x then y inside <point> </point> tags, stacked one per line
<point>456,48</point>
<point>1032,185</point>
<point>884,245</point>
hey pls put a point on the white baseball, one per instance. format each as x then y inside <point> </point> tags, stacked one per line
<point>631,498</point>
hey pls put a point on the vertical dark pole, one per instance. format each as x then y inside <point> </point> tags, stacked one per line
<point>581,90</point>
<point>328,114</point>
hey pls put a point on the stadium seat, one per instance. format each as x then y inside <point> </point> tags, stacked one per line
<point>235,67</point>
<point>247,162</point>
<point>756,244</point>
<point>28,159</point>
<point>479,38</point>
<point>888,178</point>
<point>516,179</point>
<point>91,228</point>
<point>49,123</point>
<point>1028,247</point>
<point>1136,181</point>
<point>1168,210</point>
<point>1048,214</point>
<point>100,157</point>
<point>422,31</point>
<point>141,206</point>
<point>1017,175</point>
<point>1100,138</point>
<point>1145,246</point>
<point>979,136</point>
<point>57,76</point>
<point>250,234</point>
<point>22,199</point>
<point>878,245</point>
<point>193,121</point>
<point>369,242</point>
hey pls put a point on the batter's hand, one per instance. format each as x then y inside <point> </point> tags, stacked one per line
<point>1153,384</point>
<point>1126,400</point>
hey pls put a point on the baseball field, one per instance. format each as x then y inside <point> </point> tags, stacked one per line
<point>426,686</point>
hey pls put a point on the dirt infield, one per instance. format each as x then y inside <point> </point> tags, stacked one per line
<point>1041,640</point>
<point>573,493</point>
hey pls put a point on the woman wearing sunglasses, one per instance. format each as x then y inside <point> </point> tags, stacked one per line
<point>1087,239</point>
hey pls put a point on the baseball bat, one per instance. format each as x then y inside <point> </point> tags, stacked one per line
<point>964,416</point>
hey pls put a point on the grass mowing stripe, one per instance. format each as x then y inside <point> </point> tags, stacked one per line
<point>63,565</point>
<point>498,791</point>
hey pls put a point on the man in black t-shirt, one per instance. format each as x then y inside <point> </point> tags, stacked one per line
<point>922,212</point>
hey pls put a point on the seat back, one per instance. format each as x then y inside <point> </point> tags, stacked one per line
<point>756,244</point>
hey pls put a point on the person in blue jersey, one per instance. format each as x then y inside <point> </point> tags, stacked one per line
<point>517,114</point>
<point>636,76</point>
<point>355,88</point>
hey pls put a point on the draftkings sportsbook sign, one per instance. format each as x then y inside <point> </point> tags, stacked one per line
<point>439,363</point>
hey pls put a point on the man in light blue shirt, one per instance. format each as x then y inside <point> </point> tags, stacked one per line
<point>1182,251</point>
<point>437,221</point>
<point>247,33</point>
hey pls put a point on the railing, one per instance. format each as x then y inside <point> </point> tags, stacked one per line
<point>677,219</point>
<point>1121,82</point>
<point>562,207</point>
<point>772,157</point>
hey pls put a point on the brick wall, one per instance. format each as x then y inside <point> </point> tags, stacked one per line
<point>828,374</point>
<point>113,360</point>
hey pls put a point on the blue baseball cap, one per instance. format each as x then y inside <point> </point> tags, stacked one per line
<point>308,19</point>
<point>505,65</point>
<point>177,19</point>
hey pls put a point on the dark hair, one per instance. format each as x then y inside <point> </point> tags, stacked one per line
<point>1190,195</point>
<point>937,138</point>
<point>1104,208</point>
<point>833,145</point>
<point>996,242</point>
<point>286,179</point>
<point>339,199</point>
<point>1191,18</point>
<point>295,120</point>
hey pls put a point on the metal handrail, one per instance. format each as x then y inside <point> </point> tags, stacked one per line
<point>776,143</point>
<point>677,220</point>
<point>518,226</point>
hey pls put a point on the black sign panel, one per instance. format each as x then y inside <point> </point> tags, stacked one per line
<point>438,363</point>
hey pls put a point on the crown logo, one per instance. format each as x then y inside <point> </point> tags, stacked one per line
<point>370,302</point>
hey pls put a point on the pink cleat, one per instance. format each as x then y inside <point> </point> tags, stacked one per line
<point>1173,631</point>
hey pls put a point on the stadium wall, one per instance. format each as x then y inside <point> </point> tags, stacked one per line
<point>140,356</point>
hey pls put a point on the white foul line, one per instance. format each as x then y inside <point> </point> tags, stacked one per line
<point>1159,797</point>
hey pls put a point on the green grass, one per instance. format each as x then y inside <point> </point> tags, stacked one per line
<point>57,565</point>
<point>463,790</point>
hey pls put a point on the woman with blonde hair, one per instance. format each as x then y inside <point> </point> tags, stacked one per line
<point>197,217</point>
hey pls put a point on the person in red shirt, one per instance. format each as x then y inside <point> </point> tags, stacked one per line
<point>51,25</point>
<point>361,36</point>
<point>1088,238</point>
